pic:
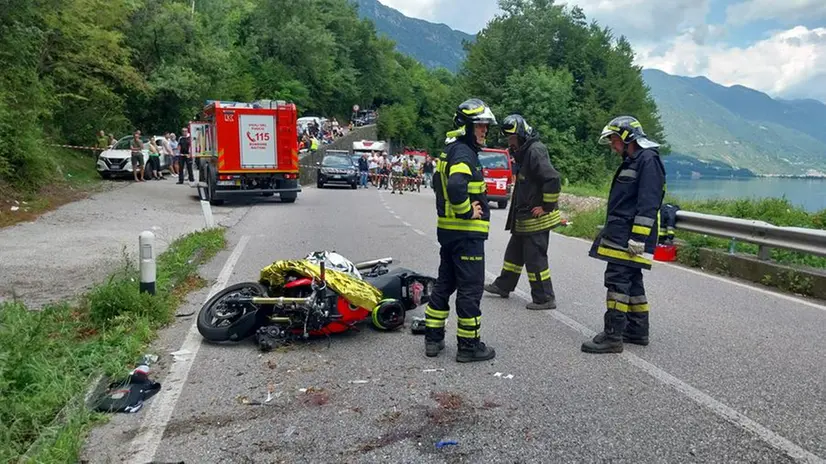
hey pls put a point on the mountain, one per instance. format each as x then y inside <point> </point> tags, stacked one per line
<point>433,45</point>
<point>738,127</point>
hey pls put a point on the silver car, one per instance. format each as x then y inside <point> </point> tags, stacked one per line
<point>116,161</point>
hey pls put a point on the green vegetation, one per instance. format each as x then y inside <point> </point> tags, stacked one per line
<point>49,358</point>
<point>777,211</point>
<point>73,178</point>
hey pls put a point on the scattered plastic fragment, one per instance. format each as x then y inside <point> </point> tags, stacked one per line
<point>499,374</point>
<point>434,370</point>
<point>444,443</point>
<point>359,381</point>
<point>180,355</point>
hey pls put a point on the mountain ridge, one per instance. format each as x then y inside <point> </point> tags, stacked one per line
<point>432,44</point>
<point>733,130</point>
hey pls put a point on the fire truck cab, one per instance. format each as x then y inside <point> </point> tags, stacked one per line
<point>246,148</point>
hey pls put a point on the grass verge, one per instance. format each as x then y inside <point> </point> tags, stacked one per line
<point>48,358</point>
<point>75,179</point>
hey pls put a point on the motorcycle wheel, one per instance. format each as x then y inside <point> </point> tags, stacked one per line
<point>215,323</point>
<point>389,315</point>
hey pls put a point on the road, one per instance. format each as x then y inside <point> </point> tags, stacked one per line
<point>733,374</point>
<point>66,251</point>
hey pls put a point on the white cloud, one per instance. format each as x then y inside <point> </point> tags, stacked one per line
<point>789,63</point>
<point>782,11</point>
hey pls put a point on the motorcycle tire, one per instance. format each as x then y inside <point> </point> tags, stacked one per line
<point>229,332</point>
<point>389,314</point>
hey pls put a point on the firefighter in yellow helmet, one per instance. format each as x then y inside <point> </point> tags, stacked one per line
<point>629,236</point>
<point>462,228</point>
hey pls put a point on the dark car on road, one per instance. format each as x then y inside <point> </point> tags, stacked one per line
<point>337,168</point>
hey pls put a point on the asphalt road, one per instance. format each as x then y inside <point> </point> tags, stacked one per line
<point>733,373</point>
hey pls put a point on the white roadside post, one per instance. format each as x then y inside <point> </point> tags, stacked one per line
<point>205,207</point>
<point>147,255</point>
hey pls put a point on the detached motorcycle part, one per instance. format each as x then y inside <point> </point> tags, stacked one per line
<point>229,315</point>
<point>418,326</point>
<point>389,314</point>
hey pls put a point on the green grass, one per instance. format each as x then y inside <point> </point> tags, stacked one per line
<point>48,358</point>
<point>587,190</point>
<point>777,211</point>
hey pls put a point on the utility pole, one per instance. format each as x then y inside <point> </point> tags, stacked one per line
<point>193,8</point>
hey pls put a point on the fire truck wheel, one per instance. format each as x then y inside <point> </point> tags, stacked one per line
<point>502,204</point>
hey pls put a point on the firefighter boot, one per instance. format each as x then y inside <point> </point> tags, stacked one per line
<point>610,339</point>
<point>636,331</point>
<point>549,304</point>
<point>434,342</point>
<point>471,349</point>
<point>492,288</point>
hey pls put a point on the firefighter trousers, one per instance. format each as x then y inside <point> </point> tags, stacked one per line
<point>626,303</point>
<point>461,270</point>
<point>530,251</point>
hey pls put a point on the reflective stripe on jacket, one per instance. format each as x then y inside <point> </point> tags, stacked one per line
<point>537,184</point>
<point>458,183</point>
<point>637,192</point>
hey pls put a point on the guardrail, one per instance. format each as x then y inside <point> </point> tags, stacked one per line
<point>761,233</point>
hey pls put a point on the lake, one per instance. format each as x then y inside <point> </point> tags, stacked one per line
<point>809,194</point>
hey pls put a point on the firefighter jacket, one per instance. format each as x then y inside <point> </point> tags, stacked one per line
<point>457,184</point>
<point>537,184</point>
<point>637,191</point>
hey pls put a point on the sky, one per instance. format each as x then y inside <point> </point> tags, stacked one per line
<point>775,46</point>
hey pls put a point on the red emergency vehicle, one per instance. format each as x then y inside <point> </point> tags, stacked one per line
<point>496,168</point>
<point>247,148</point>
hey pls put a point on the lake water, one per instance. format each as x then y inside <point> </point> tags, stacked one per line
<point>809,194</point>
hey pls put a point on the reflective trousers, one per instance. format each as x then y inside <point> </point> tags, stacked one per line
<point>461,270</point>
<point>625,301</point>
<point>530,251</point>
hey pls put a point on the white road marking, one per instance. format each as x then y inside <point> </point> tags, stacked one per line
<point>157,415</point>
<point>703,399</point>
<point>728,281</point>
<point>406,223</point>
<point>418,232</point>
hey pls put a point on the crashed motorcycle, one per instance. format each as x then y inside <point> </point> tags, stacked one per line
<point>320,295</point>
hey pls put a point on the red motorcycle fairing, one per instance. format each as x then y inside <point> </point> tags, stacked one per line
<point>299,282</point>
<point>350,315</point>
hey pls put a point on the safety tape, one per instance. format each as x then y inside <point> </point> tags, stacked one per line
<point>77,147</point>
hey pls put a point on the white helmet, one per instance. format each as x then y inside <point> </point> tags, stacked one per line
<point>335,261</point>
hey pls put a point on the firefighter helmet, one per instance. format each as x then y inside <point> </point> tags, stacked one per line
<point>515,124</point>
<point>473,111</point>
<point>628,129</point>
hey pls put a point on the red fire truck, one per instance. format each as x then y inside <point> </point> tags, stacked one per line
<point>246,148</point>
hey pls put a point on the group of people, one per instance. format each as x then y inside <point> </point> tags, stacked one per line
<point>626,242</point>
<point>399,173</point>
<point>176,148</point>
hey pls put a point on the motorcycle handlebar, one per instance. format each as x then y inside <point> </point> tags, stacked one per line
<point>370,264</point>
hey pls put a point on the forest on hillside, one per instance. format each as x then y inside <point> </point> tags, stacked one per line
<point>74,67</point>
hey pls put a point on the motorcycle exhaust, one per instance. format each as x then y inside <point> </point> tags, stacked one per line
<point>371,264</point>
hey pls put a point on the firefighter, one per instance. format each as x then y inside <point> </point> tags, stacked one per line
<point>629,236</point>
<point>462,228</point>
<point>532,215</point>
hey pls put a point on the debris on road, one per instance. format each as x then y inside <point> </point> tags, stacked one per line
<point>444,443</point>
<point>180,355</point>
<point>499,374</point>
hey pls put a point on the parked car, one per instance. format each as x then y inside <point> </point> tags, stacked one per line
<point>116,161</point>
<point>337,168</point>
<point>496,167</point>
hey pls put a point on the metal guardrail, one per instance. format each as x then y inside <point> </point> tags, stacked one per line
<point>761,233</point>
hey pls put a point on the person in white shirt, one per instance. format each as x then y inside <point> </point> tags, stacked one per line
<point>373,165</point>
<point>397,176</point>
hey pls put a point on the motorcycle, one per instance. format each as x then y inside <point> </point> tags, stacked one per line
<point>299,299</point>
